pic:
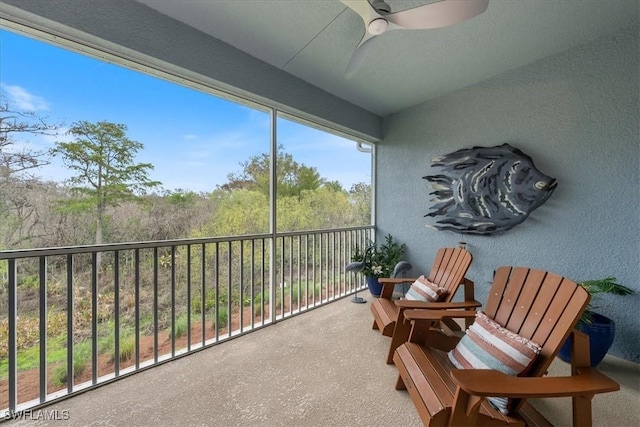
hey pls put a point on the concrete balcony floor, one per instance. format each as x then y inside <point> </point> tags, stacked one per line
<point>322,368</point>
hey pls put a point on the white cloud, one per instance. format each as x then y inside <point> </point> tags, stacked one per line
<point>23,99</point>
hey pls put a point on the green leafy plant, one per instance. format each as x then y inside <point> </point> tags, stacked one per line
<point>127,347</point>
<point>607,285</point>
<point>379,261</point>
<point>223,318</point>
<point>259,300</point>
<point>181,327</point>
<point>81,357</point>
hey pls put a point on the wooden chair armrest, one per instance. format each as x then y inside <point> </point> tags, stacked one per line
<point>409,304</point>
<point>389,283</point>
<point>482,382</point>
<point>443,337</point>
<point>435,315</point>
<point>396,280</point>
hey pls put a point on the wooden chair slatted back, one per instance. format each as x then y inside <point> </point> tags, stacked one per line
<point>449,267</point>
<point>541,306</point>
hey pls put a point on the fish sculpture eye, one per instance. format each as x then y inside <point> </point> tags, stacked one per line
<point>486,190</point>
<point>541,185</point>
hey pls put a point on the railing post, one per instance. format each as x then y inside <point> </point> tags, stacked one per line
<point>203,292</point>
<point>116,312</point>
<point>229,287</point>
<point>155,305</point>
<point>136,297</point>
<point>273,214</point>
<point>173,300</point>
<point>43,329</point>
<point>188,297</point>
<point>13,328</point>
<point>70,323</point>
<point>94,317</point>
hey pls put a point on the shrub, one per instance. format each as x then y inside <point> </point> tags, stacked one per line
<point>294,291</point>
<point>127,347</point>
<point>81,356</point>
<point>259,300</point>
<point>196,301</point>
<point>223,318</point>
<point>181,326</point>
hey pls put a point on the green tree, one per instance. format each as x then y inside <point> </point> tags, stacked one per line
<point>174,214</point>
<point>292,177</point>
<point>360,198</point>
<point>324,207</point>
<point>102,158</point>
<point>237,212</point>
<point>305,200</point>
<point>333,185</point>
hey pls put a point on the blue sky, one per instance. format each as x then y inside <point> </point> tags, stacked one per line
<point>193,139</point>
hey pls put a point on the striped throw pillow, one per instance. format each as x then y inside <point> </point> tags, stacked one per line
<point>424,290</point>
<point>487,345</point>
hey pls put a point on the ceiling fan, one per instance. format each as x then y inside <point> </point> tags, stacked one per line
<point>378,19</point>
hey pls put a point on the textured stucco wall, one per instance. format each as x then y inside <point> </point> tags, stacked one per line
<point>577,115</point>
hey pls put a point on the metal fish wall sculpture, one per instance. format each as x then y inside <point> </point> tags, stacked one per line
<point>485,190</point>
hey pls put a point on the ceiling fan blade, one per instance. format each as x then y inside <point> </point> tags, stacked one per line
<point>438,15</point>
<point>358,55</point>
<point>362,8</point>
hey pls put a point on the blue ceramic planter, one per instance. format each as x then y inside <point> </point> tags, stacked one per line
<point>601,333</point>
<point>374,286</point>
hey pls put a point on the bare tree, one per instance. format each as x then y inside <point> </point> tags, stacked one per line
<point>19,216</point>
<point>13,123</point>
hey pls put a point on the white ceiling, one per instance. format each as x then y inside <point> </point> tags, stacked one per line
<point>314,39</point>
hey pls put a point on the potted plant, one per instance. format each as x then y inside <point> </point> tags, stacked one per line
<point>378,261</point>
<point>599,328</point>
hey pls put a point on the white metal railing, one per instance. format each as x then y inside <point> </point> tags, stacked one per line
<point>104,311</point>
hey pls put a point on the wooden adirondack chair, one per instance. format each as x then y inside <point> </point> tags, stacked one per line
<point>535,304</point>
<point>448,270</point>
